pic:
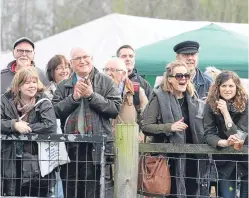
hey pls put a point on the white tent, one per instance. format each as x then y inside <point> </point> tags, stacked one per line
<point>103,36</point>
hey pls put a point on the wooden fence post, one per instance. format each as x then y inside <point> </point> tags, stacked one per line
<point>126,161</point>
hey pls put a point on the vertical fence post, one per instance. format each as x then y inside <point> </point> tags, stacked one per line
<point>102,166</point>
<point>126,160</point>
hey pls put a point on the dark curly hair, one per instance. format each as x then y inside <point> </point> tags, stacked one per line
<point>240,99</point>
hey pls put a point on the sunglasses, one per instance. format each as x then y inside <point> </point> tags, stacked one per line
<point>180,76</point>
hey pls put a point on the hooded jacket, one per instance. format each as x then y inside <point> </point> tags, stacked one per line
<point>7,76</point>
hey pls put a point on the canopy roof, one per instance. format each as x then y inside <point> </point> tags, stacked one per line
<point>219,47</point>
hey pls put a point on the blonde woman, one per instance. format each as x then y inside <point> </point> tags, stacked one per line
<point>19,102</point>
<point>170,116</point>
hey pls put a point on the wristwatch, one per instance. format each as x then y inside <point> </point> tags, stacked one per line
<point>229,125</point>
<point>90,97</point>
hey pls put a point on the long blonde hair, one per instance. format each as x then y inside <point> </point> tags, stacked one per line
<point>169,71</point>
<point>21,77</point>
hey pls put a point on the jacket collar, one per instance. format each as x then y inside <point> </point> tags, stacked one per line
<point>134,73</point>
<point>73,79</point>
<point>11,66</point>
<point>199,78</point>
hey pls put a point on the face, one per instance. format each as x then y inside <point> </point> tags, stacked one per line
<point>179,79</point>
<point>24,54</point>
<point>112,70</point>
<point>128,56</point>
<point>29,88</point>
<point>61,72</point>
<point>81,62</point>
<point>228,89</point>
<point>190,59</point>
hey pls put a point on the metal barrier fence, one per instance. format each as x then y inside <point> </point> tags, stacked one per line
<point>197,157</point>
<point>84,176</point>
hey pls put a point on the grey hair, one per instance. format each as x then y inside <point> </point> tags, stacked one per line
<point>74,49</point>
<point>120,64</point>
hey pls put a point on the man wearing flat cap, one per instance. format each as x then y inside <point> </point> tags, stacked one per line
<point>23,52</point>
<point>187,51</point>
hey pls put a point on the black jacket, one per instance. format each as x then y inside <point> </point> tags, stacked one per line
<point>42,119</point>
<point>7,76</point>
<point>215,129</point>
<point>105,104</point>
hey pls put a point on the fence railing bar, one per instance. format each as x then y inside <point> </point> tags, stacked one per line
<point>56,137</point>
<point>188,148</point>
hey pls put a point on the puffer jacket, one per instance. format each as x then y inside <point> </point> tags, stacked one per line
<point>42,119</point>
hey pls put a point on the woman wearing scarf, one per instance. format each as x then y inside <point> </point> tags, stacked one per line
<point>170,116</point>
<point>226,113</point>
<point>19,115</point>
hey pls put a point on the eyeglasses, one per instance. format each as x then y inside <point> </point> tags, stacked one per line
<point>179,76</point>
<point>81,57</point>
<point>106,69</point>
<point>61,68</point>
<point>21,51</point>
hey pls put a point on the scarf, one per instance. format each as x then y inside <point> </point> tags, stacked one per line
<point>80,121</point>
<point>171,112</point>
<point>23,109</point>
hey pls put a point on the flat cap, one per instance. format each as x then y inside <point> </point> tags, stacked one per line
<point>187,47</point>
<point>23,39</point>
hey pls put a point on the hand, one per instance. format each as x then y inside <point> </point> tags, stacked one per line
<point>233,138</point>
<point>77,92</point>
<point>22,63</point>
<point>141,138</point>
<point>22,127</point>
<point>81,89</point>
<point>222,106</point>
<point>224,143</point>
<point>116,80</point>
<point>179,125</point>
<point>87,89</point>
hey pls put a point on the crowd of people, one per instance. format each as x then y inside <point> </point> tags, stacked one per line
<point>88,101</point>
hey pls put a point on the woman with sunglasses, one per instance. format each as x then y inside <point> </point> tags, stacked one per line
<point>226,112</point>
<point>170,116</point>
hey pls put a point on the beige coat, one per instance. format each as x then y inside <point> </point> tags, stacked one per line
<point>128,113</point>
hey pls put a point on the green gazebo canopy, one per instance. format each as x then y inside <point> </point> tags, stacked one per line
<point>221,48</point>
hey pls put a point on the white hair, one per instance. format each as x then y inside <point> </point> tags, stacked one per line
<point>212,72</point>
<point>119,64</point>
<point>75,49</point>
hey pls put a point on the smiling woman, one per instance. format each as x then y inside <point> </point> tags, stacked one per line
<point>19,102</point>
<point>225,119</point>
<point>58,69</point>
<point>171,116</point>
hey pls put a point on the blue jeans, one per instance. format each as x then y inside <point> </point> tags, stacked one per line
<point>58,189</point>
<point>227,186</point>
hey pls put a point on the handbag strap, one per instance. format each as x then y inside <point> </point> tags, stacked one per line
<point>38,102</point>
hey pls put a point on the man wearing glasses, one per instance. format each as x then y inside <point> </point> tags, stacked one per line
<point>85,103</point>
<point>116,69</point>
<point>23,52</point>
<point>187,51</point>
